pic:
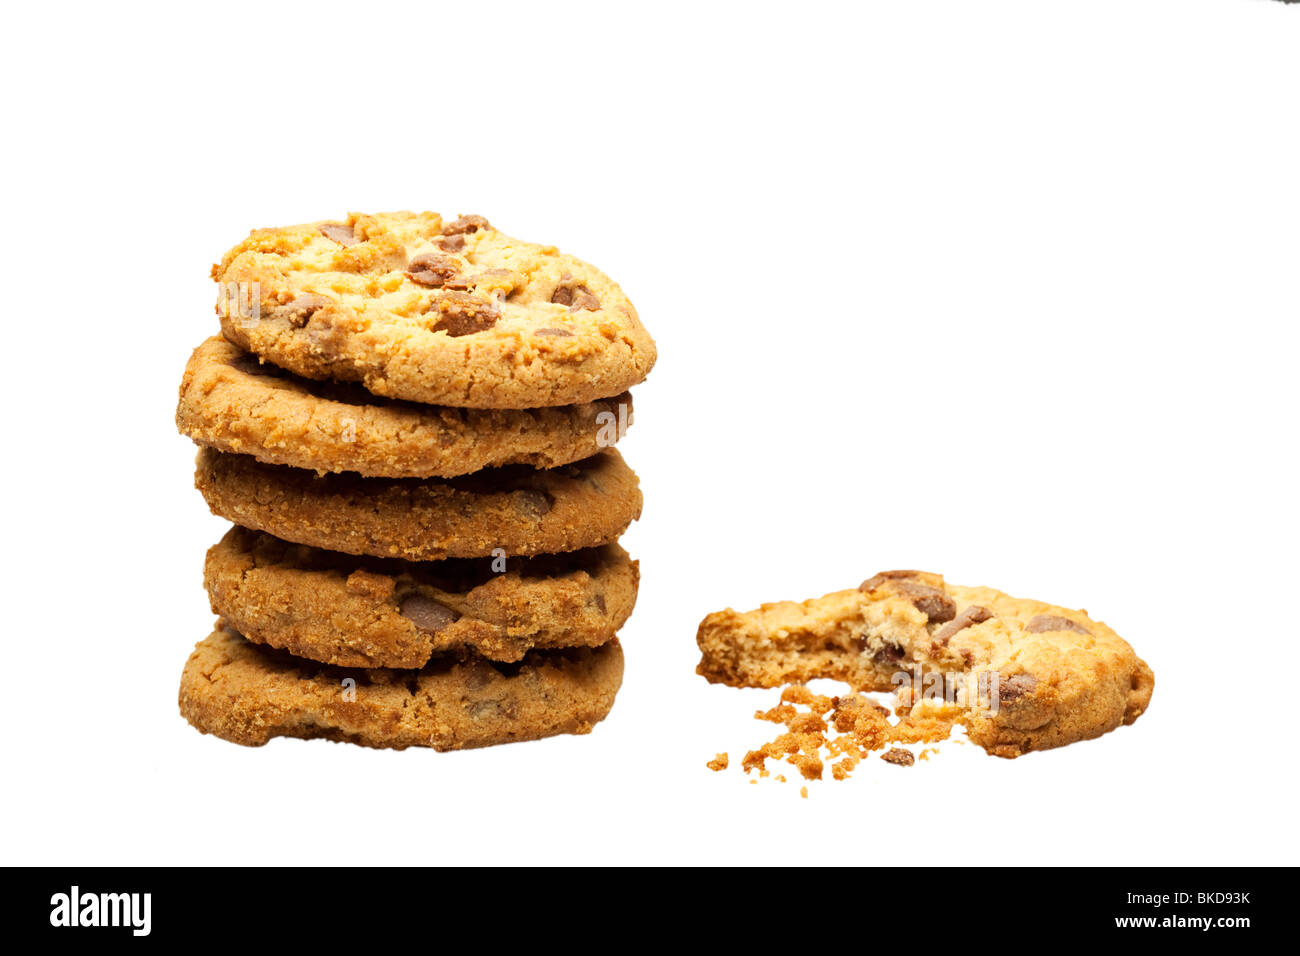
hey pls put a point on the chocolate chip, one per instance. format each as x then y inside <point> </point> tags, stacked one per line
<point>426,614</point>
<point>462,314</point>
<point>898,757</point>
<point>465,224</point>
<point>1013,688</point>
<point>583,299</point>
<point>434,270</point>
<point>938,608</point>
<point>532,503</point>
<point>889,652</point>
<point>885,652</point>
<point>876,580</point>
<point>302,307</point>
<point>340,232</point>
<point>599,601</point>
<point>450,243</point>
<point>972,615</point>
<point>1054,622</point>
<point>932,602</point>
<point>575,297</point>
<point>559,333</point>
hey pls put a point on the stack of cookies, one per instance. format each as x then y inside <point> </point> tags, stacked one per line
<point>411,422</point>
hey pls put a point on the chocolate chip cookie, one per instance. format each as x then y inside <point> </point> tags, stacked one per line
<point>446,312</point>
<point>519,511</point>
<point>1052,675</point>
<point>231,401</point>
<point>371,612</point>
<point>247,694</point>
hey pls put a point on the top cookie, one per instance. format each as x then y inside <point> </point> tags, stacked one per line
<point>448,313</point>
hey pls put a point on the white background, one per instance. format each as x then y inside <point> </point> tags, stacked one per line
<point>1006,290</point>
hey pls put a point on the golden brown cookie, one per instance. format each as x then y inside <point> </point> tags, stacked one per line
<point>446,312</point>
<point>231,401</point>
<point>372,612</point>
<point>247,694</point>
<point>518,510</point>
<point>1030,675</point>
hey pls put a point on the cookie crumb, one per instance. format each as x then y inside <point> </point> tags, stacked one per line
<point>843,731</point>
<point>719,762</point>
<point>803,792</point>
<point>899,757</point>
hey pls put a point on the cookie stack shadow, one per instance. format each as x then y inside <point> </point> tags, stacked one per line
<point>401,573</point>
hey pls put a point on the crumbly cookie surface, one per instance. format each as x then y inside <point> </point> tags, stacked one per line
<point>231,401</point>
<point>519,510</point>
<point>445,312</point>
<point>1060,676</point>
<point>368,612</point>
<point>247,694</point>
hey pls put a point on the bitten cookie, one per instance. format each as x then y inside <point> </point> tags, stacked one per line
<point>248,694</point>
<point>1060,676</point>
<point>450,313</point>
<point>231,401</point>
<point>519,510</point>
<point>371,612</point>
